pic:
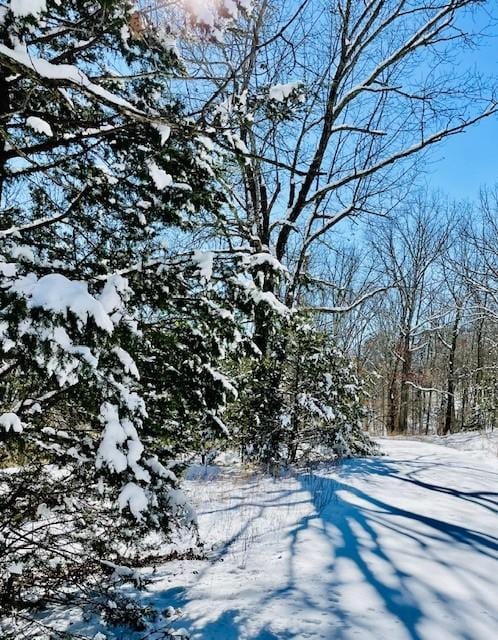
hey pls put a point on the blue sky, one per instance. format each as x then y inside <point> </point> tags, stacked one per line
<point>464,163</point>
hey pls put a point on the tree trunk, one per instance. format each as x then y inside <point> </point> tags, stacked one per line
<point>406,370</point>
<point>393,401</point>
<point>449,419</point>
<point>428,416</point>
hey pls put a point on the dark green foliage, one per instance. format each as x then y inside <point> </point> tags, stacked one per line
<point>116,333</point>
<point>301,401</point>
<point>114,363</point>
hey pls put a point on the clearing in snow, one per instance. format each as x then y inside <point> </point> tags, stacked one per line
<point>401,547</point>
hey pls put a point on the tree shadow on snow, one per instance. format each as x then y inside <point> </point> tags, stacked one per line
<point>352,520</point>
<point>354,526</point>
<point>486,499</point>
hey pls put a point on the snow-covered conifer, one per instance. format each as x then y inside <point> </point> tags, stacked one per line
<point>302,401</point>
<point>110,334</point>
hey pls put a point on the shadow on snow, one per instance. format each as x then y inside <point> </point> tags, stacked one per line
<point>352,521</point>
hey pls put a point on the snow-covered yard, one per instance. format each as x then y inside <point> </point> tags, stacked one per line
<point>399,547</point>
<point>478,444</point>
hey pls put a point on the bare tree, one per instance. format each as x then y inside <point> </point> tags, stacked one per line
<point>372,85</point>
<point>407,250</point>
<point>433,347</point>
<point>322,113</point>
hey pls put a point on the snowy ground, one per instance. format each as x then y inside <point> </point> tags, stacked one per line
<point>479,444</point>
<point>394,548</point>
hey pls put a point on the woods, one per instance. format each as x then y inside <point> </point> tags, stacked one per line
<point>179,182</point>
<point>436,331</point>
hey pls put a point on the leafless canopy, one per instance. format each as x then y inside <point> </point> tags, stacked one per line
<point>377,83</point>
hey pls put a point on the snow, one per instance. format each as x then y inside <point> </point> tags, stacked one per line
<point>164,132</point>
<point>203,14</point>
<point>60,336</point>
<point>270,299</point>
<point>130,399</point>
<point>281,92</point>
<point>258,296</point>
<point>225,382</point>
<point>54,292</point>
<point>23,252</point>
<point>231,8</point>
<point>23,8</point>
<point>112,294</point>
<point>8,269</point>
<point>39,125</point>
<point>478,444</point>
<point>204,262</point>
<point>203,472</point>
<point>207,142</point>
<point>15,568</point>
<point>11,421</point>
<point>113,437</point>
<point>160,178</point>
<point>210,13</point>
<point>402,546</point>
<point>66,72</point>
<point>159,469</point>
<point>263,259</point>
<point>127,361</point>
<point>120,446</point>
<point>134,497</point>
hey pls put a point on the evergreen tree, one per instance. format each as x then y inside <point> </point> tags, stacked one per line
<point>109,340</point>
<point>324,398</point>
<point>303,401</point>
